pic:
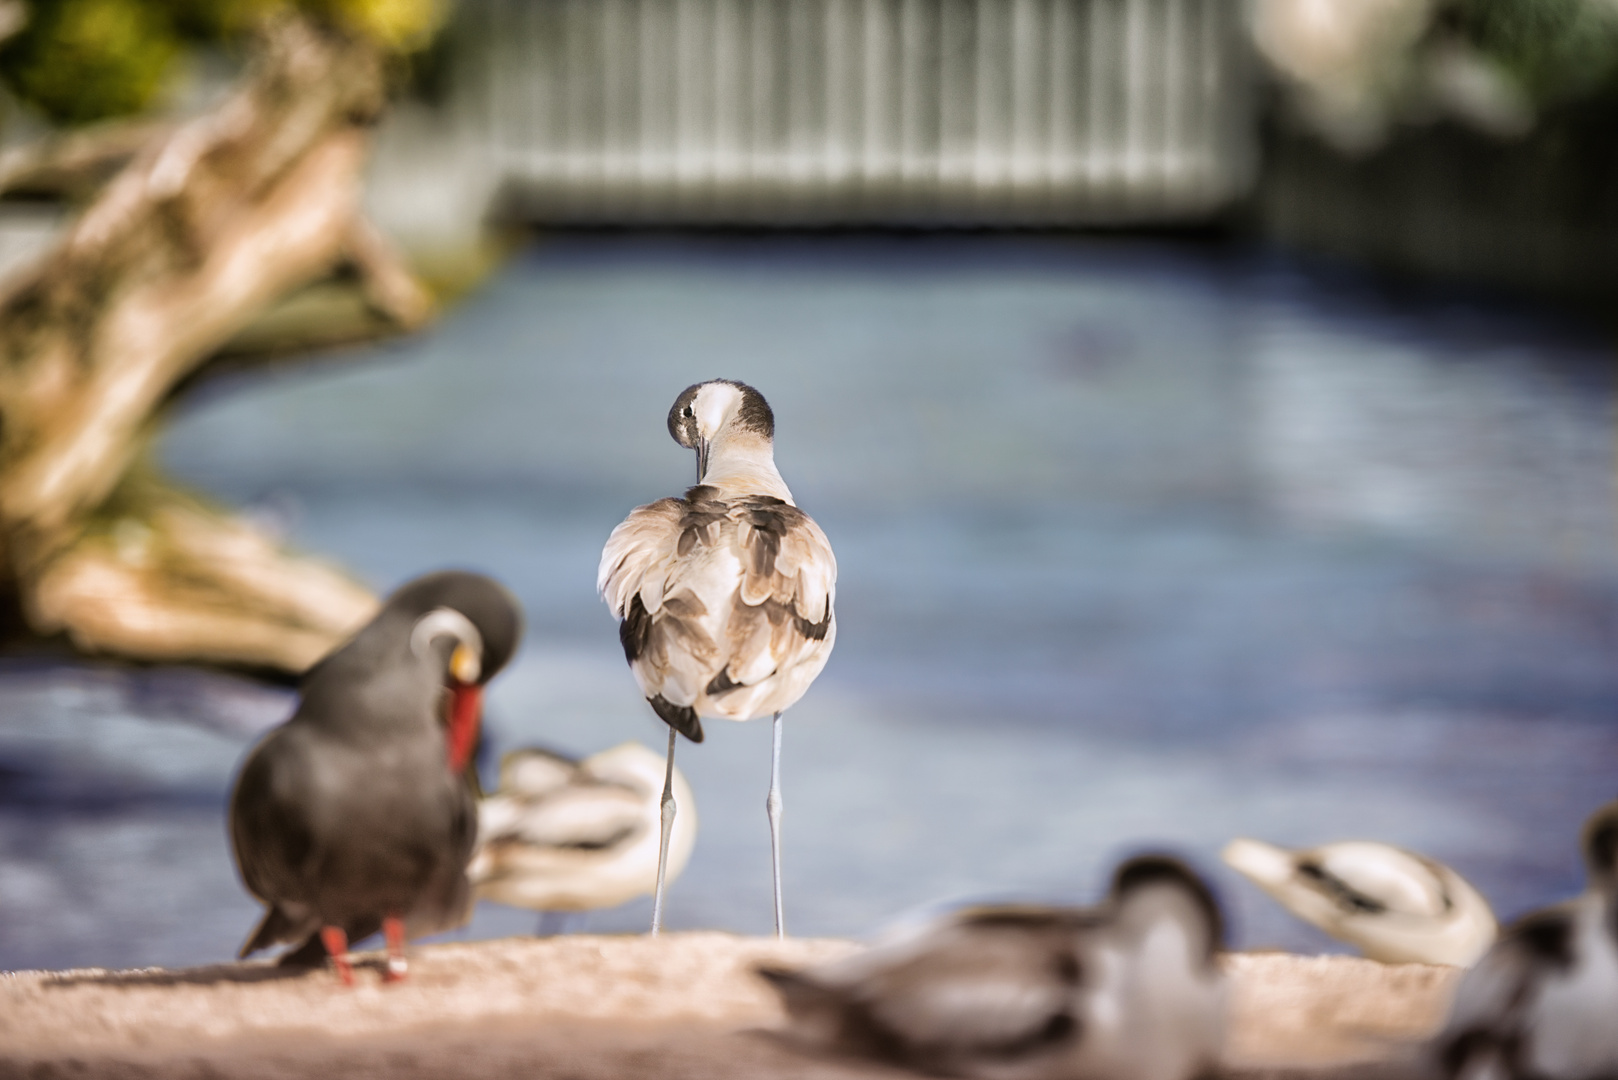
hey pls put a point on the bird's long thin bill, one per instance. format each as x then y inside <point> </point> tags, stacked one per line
<point>465,714</point>
<point>702,459</point>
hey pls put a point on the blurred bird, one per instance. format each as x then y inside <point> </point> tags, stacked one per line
<point>1397,907</point>
<point>1129,990</point>
<point>561,835</point>
<point>725,595</point>
<point>355,815</point>
<point>1543,1002</point>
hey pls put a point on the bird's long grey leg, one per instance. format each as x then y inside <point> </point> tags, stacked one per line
<point>668,830</point>
<point>772,805</point>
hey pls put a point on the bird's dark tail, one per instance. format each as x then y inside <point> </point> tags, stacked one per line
<point>682,718</point>
<point>311,954</point>
<point>272,929</point>
<point>806,1001</point>
<point>823,1018</point>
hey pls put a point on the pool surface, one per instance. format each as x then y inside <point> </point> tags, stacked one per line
<point>1140,545</point>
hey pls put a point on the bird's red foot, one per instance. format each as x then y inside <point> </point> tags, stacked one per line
<point>398,966</point>
<point>336,942</point>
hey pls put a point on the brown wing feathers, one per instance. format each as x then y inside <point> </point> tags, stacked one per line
<point>780,541</point>
<point>702,511</point>
<point>764,631</point>
<point>781,604</point>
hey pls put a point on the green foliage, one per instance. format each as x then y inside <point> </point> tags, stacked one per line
<point>218,20</point>
<point>83,60</point>
<point>1556,49</point>
<point>400,25</point>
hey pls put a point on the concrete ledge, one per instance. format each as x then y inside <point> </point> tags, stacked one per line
<point>684,1005</point>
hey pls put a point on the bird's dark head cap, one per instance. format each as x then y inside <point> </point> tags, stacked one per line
<point>1142,875</point>
<point>487,604</point>
<point>692,417</point>
<point>1601,844</point>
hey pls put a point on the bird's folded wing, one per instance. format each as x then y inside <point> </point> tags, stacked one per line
<point>270,830</point>
<point>1371,877</point>
<point>583,817</point>
<point>975,1015</point>
<point>991,993</point>
<point>532,772</point>
<point>786,559</point>
<point>642,547</point>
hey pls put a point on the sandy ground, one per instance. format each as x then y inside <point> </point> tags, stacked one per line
<point>585,1007</point>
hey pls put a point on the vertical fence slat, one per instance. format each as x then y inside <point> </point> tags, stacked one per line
<point>860,110</point>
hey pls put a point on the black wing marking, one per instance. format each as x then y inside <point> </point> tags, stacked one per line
<point>1339,891</point>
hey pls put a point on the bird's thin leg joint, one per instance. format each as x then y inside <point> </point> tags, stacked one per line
<point>393,929</point>
<point>668,831</point>
<point>336,942</point>
<point>772,805</point>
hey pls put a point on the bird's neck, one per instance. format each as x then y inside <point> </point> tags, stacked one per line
<point>744,464</point>
<point>1606,904</point>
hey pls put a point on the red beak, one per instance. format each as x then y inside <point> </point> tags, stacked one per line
<point>465,714</point>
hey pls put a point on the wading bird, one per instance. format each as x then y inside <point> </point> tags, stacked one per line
<point>1128,990</point>
<point>563,836</point>
<point>355,814</point>
<point>1543,1003</point>
<point>725,595</point>
<point>1397,907</point>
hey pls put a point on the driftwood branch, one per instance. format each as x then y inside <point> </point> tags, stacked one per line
<point>76,161</point>
<point>181,582</point>
<point>389,286</point>
<point>13,17</point>
<point>208,225</point>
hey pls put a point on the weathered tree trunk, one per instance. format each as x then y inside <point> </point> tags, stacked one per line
<point>208,223</point>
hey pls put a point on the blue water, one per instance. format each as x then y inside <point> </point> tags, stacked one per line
<point>1139,545</point>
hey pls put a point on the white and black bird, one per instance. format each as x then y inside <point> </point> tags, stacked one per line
<point>561,835</point>
<point>725,595</point>
<point>1128,990</point>
<point>1394,905</point>
<point>356,815</point>
<point>1543,1003</point>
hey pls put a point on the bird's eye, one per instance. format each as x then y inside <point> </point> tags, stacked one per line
<point>686,412</point>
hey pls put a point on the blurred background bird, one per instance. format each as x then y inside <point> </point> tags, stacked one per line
<point>1128,990</point>
<point>1394,905</point>
<point>1544,1001</point>
<point>724,596</point>
<point>355,815</point>
<point>563,836</point>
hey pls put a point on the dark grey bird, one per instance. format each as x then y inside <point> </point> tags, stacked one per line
<point>1543,1002</point>
<point>1128,990</point>
<point>724,598</point>
<point>356,814</point>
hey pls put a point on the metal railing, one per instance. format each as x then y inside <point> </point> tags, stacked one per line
<point>859,111</point>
